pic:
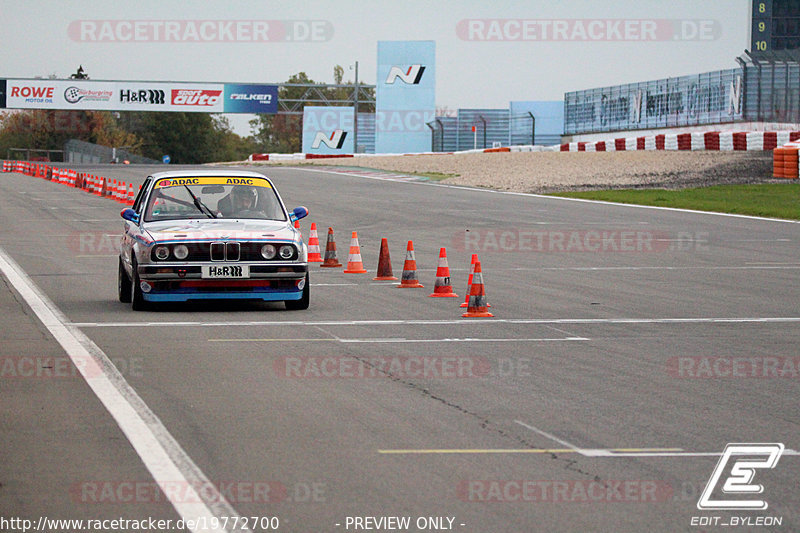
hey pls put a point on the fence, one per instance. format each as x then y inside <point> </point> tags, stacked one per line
<point>76,151</point>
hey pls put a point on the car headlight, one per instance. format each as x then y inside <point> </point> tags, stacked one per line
<point>268,251</point>
<point>286,251</point>
<point>181,252</point>
<point>162,253</point>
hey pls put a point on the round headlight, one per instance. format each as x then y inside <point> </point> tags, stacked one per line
<point>162,252</point>
<point>181,252</point>
<point>286,251</point>
<point>268,251</point>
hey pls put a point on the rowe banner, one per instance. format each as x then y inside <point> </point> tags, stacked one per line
<point>328,130</point>
<point>141,96</point>
<point>405,96</point>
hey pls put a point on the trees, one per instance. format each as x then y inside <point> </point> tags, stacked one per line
<point>49,130</point>
<point>186,137</point>
<point>190,137</point>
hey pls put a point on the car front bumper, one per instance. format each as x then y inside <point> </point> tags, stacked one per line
<point>181,283</point>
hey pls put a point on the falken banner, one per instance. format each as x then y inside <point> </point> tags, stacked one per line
<point>405,96</point>
<point>140,96</point>
<point>328,130</point>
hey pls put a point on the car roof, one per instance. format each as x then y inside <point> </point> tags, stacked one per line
<point>204,172</point>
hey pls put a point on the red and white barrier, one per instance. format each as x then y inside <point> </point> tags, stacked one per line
<point>711,140</point>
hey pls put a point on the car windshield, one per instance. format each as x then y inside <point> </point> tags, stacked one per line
<point>213,197</point>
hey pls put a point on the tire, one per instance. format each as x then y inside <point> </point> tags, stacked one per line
<point>138,302</point>
<point>123,284</point>
<point>302,303</point>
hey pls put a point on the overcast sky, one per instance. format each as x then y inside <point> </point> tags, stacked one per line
<point>488,53</point>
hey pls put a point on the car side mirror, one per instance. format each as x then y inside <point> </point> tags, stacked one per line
<point>130,215</point>
<point>298,213</point>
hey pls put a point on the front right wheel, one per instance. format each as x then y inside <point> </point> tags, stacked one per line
<point>123,284</point>
<point>137,300</point>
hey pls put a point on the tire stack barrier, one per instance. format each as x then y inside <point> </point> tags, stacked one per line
<point>785,161</point>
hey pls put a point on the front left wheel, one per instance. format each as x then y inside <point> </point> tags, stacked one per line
<point>302,303</point>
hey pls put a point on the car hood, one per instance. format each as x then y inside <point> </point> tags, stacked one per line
<point>216,229</point>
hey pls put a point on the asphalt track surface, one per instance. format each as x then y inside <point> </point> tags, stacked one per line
<point>599,398</point>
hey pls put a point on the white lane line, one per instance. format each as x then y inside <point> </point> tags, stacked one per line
<point>465,322</point>
<point>390,341</point>
<point>630,452</point>
<point>161,454</point>
<point>403,340</point>
<point>551,437</point>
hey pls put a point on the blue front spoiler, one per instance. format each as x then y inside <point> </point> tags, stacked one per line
<point>186,296</point>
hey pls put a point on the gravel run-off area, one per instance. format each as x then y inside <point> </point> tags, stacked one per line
<point>543,172</point>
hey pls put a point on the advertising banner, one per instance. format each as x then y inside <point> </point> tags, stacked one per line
<point>328,130</point>
<point>2,94</point>
<point>405,96</point>
<point>248,98</point>
<point>707,98</point>
<point>114,95</point>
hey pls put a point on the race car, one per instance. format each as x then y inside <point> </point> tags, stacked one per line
<point>211,235</point>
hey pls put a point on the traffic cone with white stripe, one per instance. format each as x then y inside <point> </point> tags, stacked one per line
<point>477,306</point>
<point>469,279</point>
<point>384,263</point>
<point>330,252</point>
<point>314,255</point>
<point>442,287</point>
<point>354,263</point>
<point>409,279</point>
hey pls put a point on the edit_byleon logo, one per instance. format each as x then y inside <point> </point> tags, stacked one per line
<point>739,462</point>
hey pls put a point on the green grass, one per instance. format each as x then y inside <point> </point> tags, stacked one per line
<point>774,200</point>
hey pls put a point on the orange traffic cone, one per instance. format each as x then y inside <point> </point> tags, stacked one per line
<point>469,280</point>
<point>410,280</point>
<point>314,255</point>
<point>330,252</point>
<point>297,227</point>
<point>442,287</point>
<point>477,296</point>
<point>384,263</point>
<point>354,263</point>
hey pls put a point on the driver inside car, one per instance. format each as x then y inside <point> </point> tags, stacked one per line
<point>241,201</point>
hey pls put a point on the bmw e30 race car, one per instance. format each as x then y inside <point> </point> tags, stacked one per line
<point>211,234</point>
